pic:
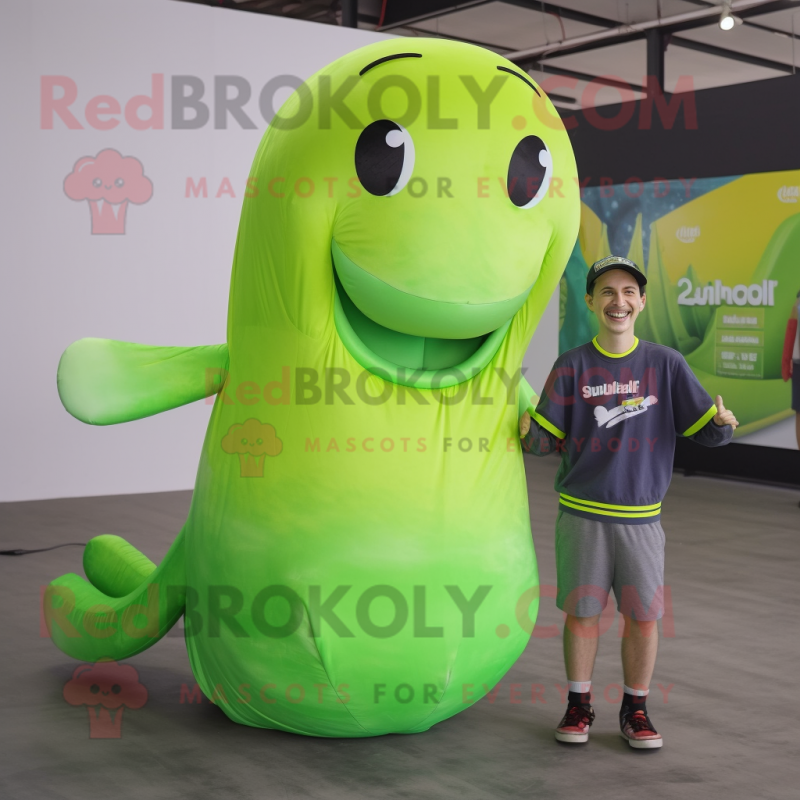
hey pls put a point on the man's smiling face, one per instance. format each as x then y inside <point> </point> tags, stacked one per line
<point>616,301</point>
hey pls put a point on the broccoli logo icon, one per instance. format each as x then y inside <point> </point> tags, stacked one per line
<point>252,441</point>
<point>108,181</point>
<point>106,689</point>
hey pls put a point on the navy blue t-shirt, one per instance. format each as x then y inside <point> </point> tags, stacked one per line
<point>618,416</point>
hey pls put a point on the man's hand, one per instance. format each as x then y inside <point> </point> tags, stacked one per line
<point>525,425</point>
<point>723,415</point>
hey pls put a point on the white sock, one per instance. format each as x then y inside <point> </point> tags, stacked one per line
<point>581,687</point>
<point>636,692</point>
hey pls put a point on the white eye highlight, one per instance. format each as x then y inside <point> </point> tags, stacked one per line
<point>402,138</point>
<point>394,138</point>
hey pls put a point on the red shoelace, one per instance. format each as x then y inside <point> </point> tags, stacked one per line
<point>577,716</point>
<point>639,723</point>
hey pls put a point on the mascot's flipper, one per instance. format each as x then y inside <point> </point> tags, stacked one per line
<point>90,624</point>
<point>527,398</point>
<point>103,381</point>
<point>115,567</point>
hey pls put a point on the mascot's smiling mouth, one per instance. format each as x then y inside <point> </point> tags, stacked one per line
<point>418,342</point>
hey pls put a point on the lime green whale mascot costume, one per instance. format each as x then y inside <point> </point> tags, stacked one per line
<point>357,559</point>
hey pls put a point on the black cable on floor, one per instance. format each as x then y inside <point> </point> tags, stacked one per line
<point>41,549</point>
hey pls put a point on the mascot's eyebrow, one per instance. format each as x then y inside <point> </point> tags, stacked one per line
<point>516,74</point>
<point>389,58</point>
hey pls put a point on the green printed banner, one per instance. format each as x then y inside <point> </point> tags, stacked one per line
<point>722,257</point>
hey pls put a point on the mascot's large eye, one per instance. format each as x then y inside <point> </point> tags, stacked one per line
<point>384,157</point>
<point>529,172</point>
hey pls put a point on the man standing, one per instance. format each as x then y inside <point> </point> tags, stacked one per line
<point>612,408</point>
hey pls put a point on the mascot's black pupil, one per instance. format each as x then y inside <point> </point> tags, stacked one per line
<point>378,164</point>
<point>526,172</point>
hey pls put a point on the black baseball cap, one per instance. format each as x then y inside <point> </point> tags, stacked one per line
<point>613,262</point>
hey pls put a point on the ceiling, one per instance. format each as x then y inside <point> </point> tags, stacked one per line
<point>697,54</point>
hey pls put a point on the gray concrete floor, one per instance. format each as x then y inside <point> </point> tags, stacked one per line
<point>728,721</point>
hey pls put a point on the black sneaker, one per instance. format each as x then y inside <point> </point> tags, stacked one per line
<point>574,727</point>
<point>635,726</point>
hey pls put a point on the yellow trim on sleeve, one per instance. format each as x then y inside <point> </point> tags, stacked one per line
<point>701,422</point>
<point>611,513</point>
<point>609,505</point>
<point>616,355</point>
<point>548,426</point>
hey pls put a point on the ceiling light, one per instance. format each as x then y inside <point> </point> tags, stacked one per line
<point>726,23</point>
<point>726,20</point>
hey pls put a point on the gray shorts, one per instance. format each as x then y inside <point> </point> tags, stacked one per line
<point>592,557</point>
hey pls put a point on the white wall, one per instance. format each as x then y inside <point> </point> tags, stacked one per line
<point>543,349</point>
<point>165,281</point>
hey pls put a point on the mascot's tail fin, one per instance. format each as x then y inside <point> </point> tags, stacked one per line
<point>115,567</point>
<point>127,606</point>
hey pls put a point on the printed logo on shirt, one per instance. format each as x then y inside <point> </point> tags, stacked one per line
<point>629,408</point>
<point>615,387</point>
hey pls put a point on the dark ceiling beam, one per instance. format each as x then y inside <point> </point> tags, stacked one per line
<point>349,13</point>
<point>561,98</point>
<point>584,48</point>
<point>565,13</point>
<point>605,22</point>
<point>531,5</point>
<point>758,26</point>
<point>582,76</point>
<point>407,12</point>
<point>678,41</point>
<point>749,22</point>
<point>546,68</point>
<point>499,48</point>
<point>656,50</point>
<point>756,11</point>
<point>767,8</point>
<point>733,55</point>
<point>413,12</point>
